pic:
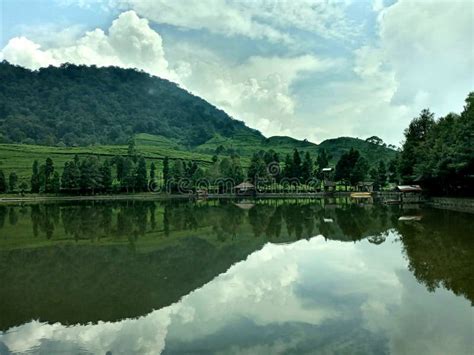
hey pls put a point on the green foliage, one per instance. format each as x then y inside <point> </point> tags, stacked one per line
<point>3,182</point>
<point>35,183</point>
<point>55,183</point>
<point>12,181</point>
<point>141,183</point>
<point>106,172</point>
<point>166,170</point>
<point>415,142</point>
<point>258,168</point>
<point>440,154</point>
<point>307,167</point>
<point>152,171</point>
<point>78,105</point>
<point>345,166</point>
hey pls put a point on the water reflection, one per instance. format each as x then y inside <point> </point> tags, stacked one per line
<point>392,292</point>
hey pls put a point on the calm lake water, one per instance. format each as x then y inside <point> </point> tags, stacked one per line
<point>227,277</point>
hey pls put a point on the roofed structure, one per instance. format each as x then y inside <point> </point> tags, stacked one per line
<point>409,188</point>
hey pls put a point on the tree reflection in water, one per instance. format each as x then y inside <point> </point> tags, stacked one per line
<point>145,255</point>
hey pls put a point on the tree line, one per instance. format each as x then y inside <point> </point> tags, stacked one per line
<point>439,154</point>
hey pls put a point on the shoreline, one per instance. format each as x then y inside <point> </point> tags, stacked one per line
<point>159,196</point>
<point>461,204</point>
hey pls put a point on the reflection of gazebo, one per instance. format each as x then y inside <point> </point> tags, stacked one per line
<point>244,205</point>
<point>245,189</point>
<point>410,193</point>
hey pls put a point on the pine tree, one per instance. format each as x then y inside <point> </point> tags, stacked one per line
<point>35,183</point>
<point>166,171</point>
<point>129,173</point>
<point>3,183</point>
<point>48,172</point>
<point>257,169</point>
<point>152,171</point>
<point>12,181</point>
<point>392,171</point>
<point>296,166</point>
<point>359,172</point>
<point>66,178</point>
<point>382,174</point>
<point>287,169</point>
<point>141,181</point>
<point>91,177</point>
<point>106,173</point>
<point>132,150</point>
<point>322,161</point>
<point>55,183</point>
<point>307,167</point>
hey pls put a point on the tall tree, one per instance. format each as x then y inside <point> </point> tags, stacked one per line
<point>296,166</point>
<point>3,182</point>
<point>152,171</point>
<point>257,170</point>
<point>132,149</point>
<point>288,166</point>
<point>345,167</point>
<point>129,175</point>
<point>415,138</point>
<point>166,171</point>
<point>91,177</point>
<point>35,181</point>
<point>55,183</point>
<point>66,178</point>
<point>307,167</point>
<point>359,172</point>
<point>106,172</point>
<point>141,181</point>
<point>12,181</point>
<point>382,174</point>
<point>392,171</point>
<point>48,172</point>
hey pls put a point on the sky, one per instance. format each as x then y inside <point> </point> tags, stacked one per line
<point>310,69</point>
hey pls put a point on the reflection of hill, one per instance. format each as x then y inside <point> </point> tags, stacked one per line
<point>440,251</point>
<point>80,284</point>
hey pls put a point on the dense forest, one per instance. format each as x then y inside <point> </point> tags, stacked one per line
<point>439,154</point>
<point>80,105</point>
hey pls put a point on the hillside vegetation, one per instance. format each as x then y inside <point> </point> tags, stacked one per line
<point>80,105</point>
<point>58,112</point>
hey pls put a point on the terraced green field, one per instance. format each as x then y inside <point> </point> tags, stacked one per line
<point>20,157</point>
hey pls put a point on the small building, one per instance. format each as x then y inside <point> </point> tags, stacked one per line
<point>365,186</point>
<point>245,189</point>
<point>410,193</point>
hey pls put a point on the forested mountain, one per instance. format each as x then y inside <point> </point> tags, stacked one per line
<point>81,105</point>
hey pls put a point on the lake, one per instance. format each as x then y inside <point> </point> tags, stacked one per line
<point>235,277</point>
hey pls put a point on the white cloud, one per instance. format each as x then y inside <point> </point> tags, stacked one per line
<point>422,58</point>
<point>430,46</point>
<point>129,43</point>
<point>257,90</point>
<point>254,19</point>
<point>22,51</point>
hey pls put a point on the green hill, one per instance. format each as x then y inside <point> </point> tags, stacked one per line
<point>59,112</point>
<point>80,105</point>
